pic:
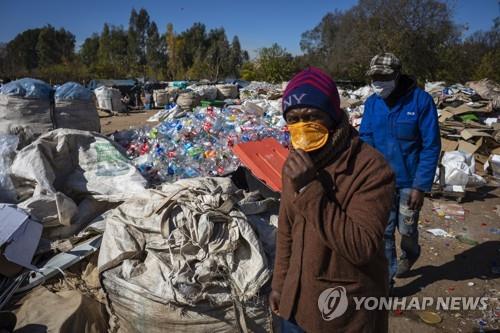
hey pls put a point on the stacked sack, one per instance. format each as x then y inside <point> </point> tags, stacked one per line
<point>75,108</point>
<point>26,109</point>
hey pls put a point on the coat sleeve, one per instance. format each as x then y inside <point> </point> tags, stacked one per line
<point>431,146</point>
<point>356,233</point>
<point>366,130</point>
<point>283,249</point>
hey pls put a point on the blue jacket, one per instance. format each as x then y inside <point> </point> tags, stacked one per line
<point>407,134</point>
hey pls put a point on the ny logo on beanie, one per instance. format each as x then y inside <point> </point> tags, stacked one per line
<point>293,99</point>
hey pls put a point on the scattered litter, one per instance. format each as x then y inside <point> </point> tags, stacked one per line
<point>439,233</point>
<point>466,240</point>
<point>470,284</point>
<point>429,317</point>
<point>495,231</point>
<point>398,312</point>
<point>448,210</point>
<point>497,209</point>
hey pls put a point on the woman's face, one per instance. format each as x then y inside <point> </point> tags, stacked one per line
<point>309,114</point>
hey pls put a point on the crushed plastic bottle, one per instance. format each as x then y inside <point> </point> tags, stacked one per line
<point>199,143</point>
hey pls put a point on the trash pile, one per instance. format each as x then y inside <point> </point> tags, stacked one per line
<point>262,90</point>
<point>469,123</point>
<point>199,143</point>
<point>30,108</point>
<point>199,246</point>
<point>352,101</point>
<point>193,253</point>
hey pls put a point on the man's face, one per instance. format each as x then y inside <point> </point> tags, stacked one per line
<point>309,114</point>
<point>384,78</point>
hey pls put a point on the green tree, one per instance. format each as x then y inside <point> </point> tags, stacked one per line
<point>21,55</point>
<point>248,71</point>
<point>236,58</point>
<point>195,44</point>
<point>416,30</point>
<point>275,64</point>
<point>217,53</point>
<point>137,39</point>
<point>199,70</point>
<point>55,46</point>
<point>170,40</point>
<point>489,67</point>
<point>112,57</point>
<point>89,49</point>
<point>154,51</point>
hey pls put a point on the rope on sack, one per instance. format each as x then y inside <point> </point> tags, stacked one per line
<point>240,315</point>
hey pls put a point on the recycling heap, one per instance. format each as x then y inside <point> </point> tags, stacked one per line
<point>199,142</point>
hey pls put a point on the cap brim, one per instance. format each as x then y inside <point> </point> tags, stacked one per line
<point>379,70</point>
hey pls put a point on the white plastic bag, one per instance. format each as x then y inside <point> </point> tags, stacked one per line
<point>459,170</point>
<point>8,144</point>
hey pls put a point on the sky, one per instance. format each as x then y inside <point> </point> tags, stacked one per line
<point>258,23</point>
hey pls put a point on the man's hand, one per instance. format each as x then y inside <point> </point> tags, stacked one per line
<point>299,169</point>
<point>274,301</point>
<point>416,199</point>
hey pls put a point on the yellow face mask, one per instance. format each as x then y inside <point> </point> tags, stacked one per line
<point>308,136</point>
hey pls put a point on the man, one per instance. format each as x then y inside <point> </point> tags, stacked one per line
<point>400,121</point>
<point>335,202</point>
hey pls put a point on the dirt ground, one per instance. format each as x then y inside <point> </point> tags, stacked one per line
<point>125,121</point>
<point>447,267</point>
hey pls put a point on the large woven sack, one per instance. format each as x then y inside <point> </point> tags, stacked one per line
<point>74,114</point>
<point>133,312</point>
<point>75,108</point>
<point>188,100</point>
<point>206,92</point>
<point>109,99</point>
<point>161,97</point>
<point>227,91</point>
<point>27,118</point>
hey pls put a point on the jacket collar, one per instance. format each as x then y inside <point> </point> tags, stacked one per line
<point>341,163</point>
<point>406,84</point>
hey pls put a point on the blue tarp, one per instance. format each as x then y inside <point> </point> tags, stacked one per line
<point>72,91</point>
<point>94,84</point>
<point>27,87</point>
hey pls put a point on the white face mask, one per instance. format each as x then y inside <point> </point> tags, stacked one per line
<point>384,88</point>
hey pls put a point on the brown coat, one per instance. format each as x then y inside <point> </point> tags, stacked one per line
<point>329,235</point>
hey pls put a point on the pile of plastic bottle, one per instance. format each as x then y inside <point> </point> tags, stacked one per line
<point>198,144</point>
